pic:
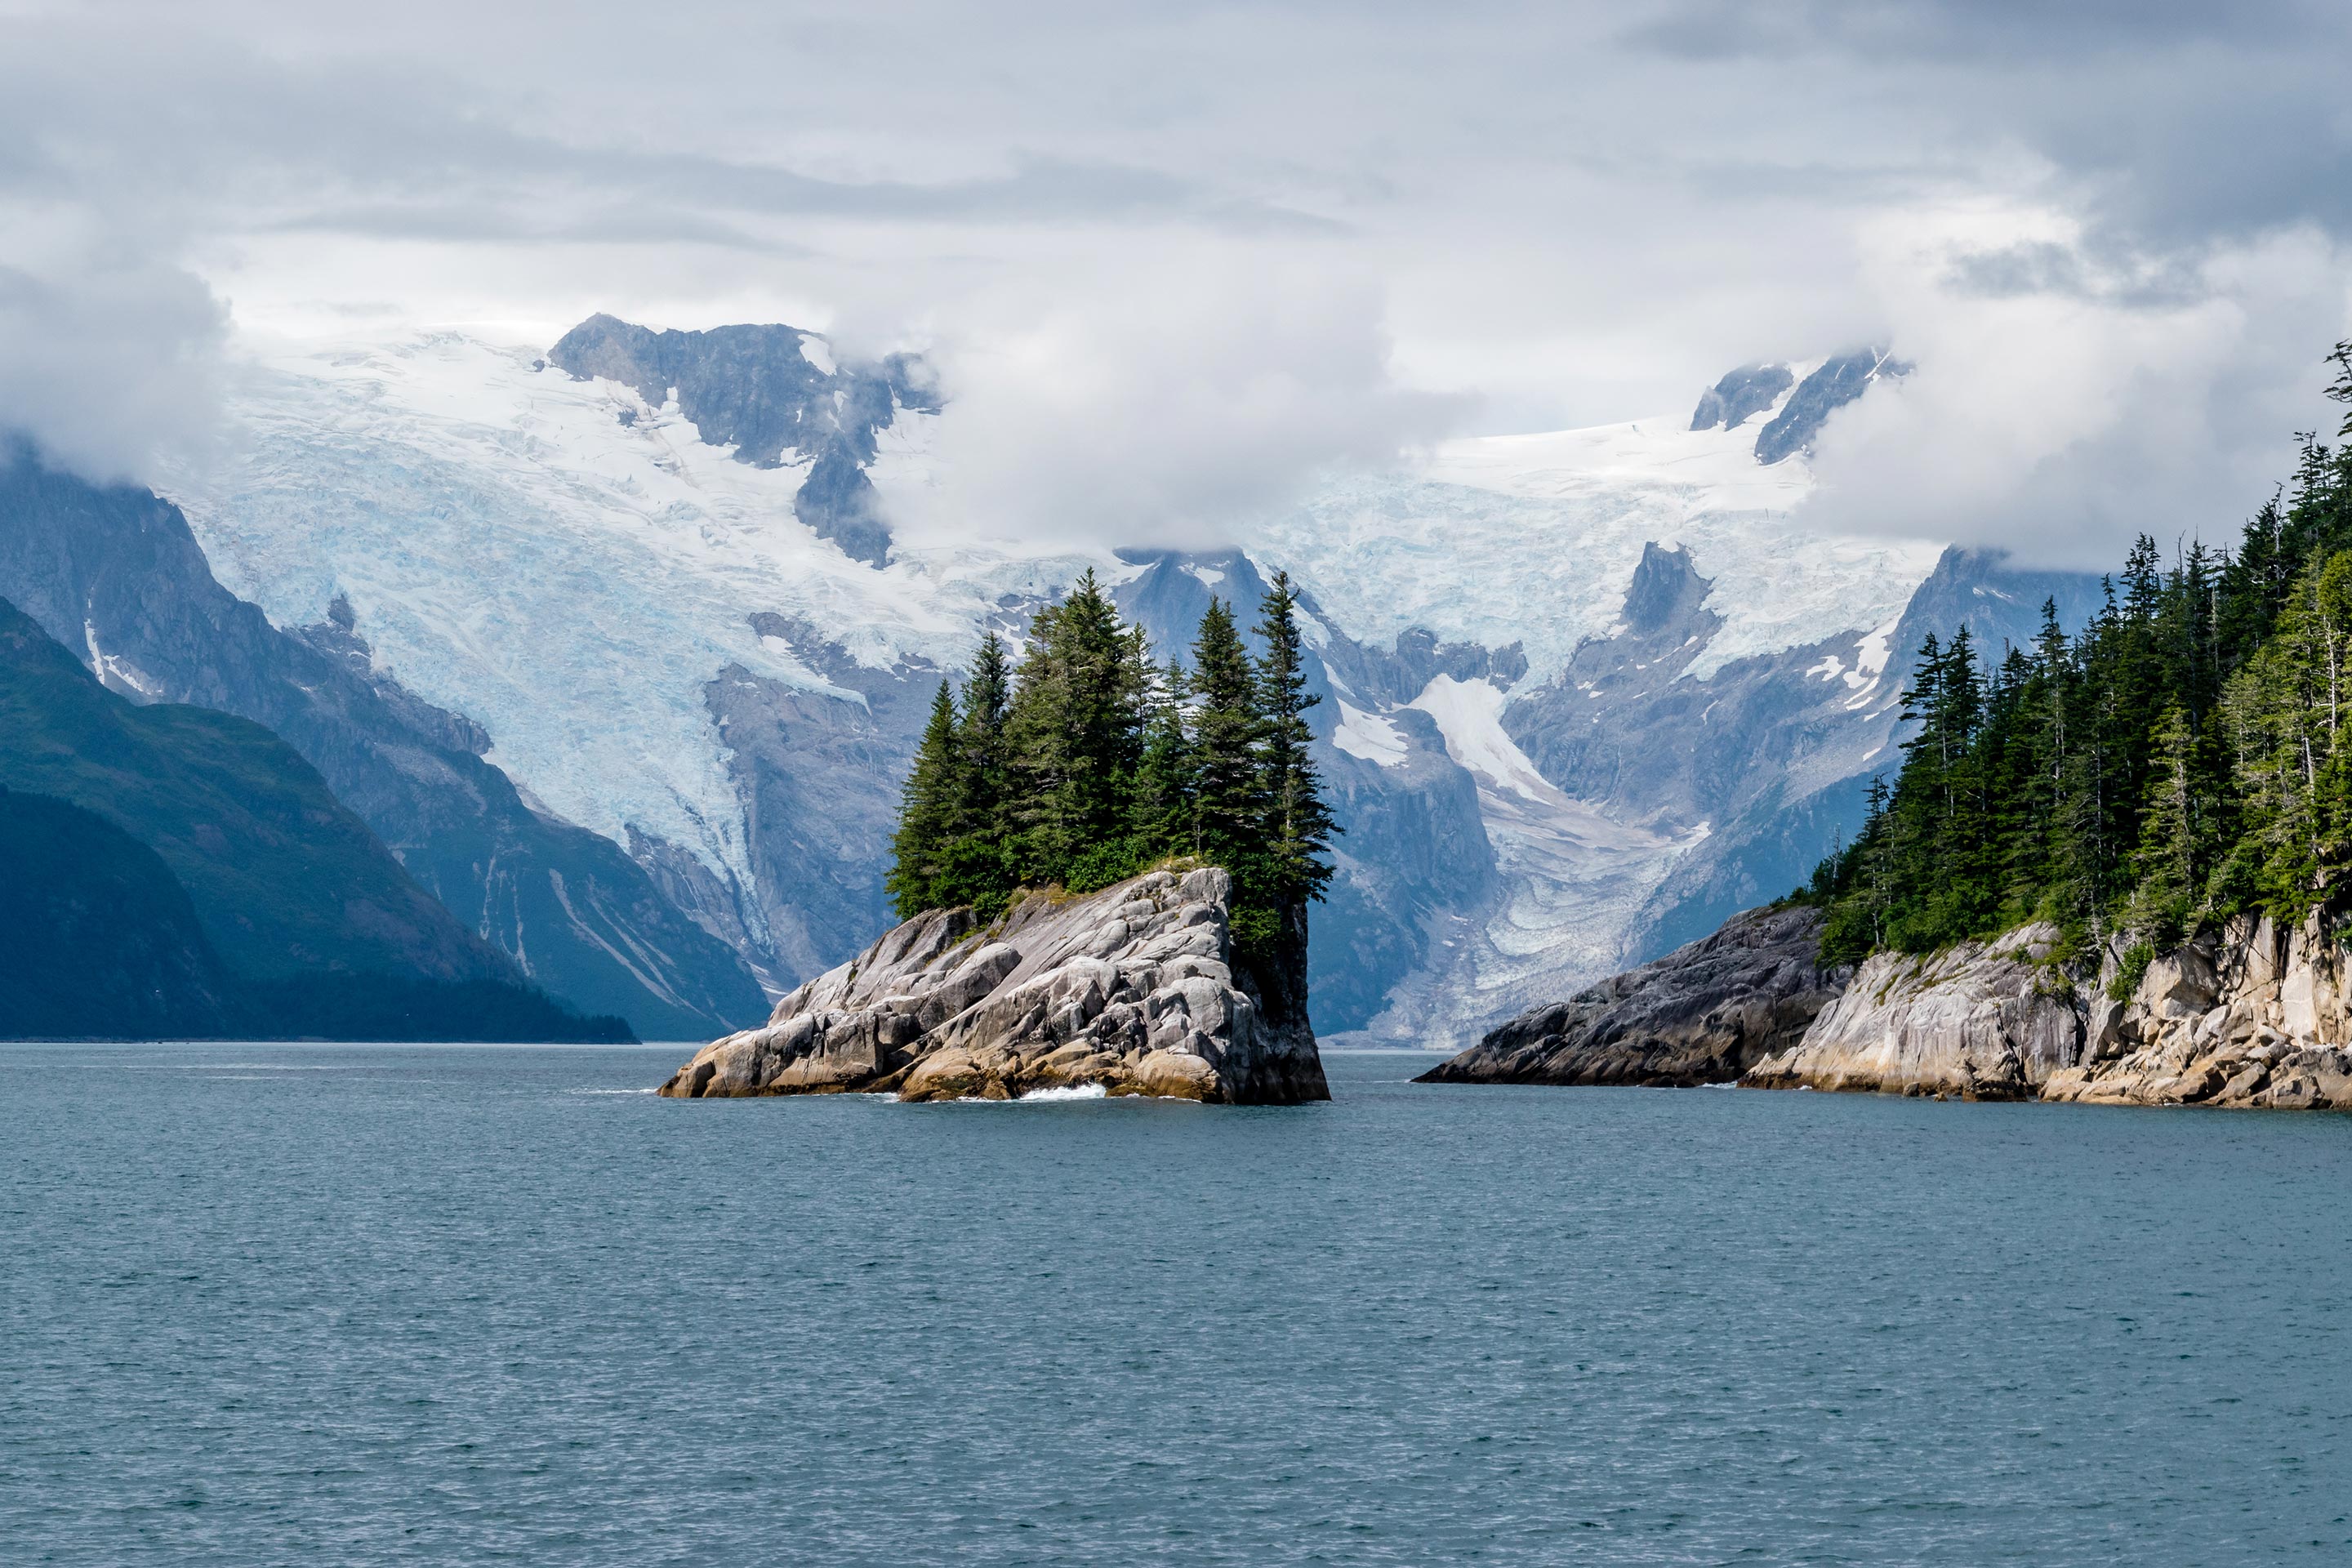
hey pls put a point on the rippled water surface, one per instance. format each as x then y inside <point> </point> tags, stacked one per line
<point>351,1305</point>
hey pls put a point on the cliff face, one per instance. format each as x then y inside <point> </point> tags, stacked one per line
<point>1980,1020</point>
<point>2249,1016</point>
<point>1133,990</point>
<point>1706,1013</point>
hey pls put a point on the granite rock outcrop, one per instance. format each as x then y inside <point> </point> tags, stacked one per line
<point>1987,1020</point>
<point>2250,1014</point>
<point>1133,990</point>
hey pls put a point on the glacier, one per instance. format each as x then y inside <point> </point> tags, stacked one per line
<point>571,567</point>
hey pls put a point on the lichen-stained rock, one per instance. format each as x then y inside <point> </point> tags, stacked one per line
<point>1132,989</point>
<point>2249,1016</point>
<point>1978,1021</point>
<point>1706,1013</point>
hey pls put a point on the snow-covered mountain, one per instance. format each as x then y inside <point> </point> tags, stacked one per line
<point>1582,687</point>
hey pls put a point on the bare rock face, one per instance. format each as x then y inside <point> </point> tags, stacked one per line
<point>1977,1021</point>
<point>1706,1013</point>
<point>1132,989</point>
<point>2249,1015</point>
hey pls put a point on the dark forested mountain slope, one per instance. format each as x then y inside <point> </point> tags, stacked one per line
<point>97,937</point>
<point>2183,759</point>
<point>113,573</point>
<point>289,889</point>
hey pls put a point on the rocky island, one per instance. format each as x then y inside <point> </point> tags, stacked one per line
<point>1130,990</point>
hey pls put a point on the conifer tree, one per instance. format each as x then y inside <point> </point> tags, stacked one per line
<point>927,816</point>
<point>1299,826</point>
<point>1076,734</point>
<point>1229,800</point>
<point>2187,755</point>
<point>977,862</point>
<point>1085,765</point>
<point>1164,790</point>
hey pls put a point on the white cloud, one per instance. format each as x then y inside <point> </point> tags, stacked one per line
<point>2064,402</point>
<point>110,354</point>
<point>1586,212</point>
<point>1164,397</point>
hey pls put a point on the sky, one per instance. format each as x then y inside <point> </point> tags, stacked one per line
<point>1179,261</point>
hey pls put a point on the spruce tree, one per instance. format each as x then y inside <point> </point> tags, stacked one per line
<point>977,862</point>
<point>1076,736</point>
<point>1229,806</point>
<point>1299,826</point>
<point>1085,765</point>
<point>2187,755</point>
<point>1164,791</point>
<point>917,880</point>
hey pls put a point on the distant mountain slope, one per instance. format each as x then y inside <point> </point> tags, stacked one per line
<point>284,879</point>
<point>1577,682</point>
<point>113,573</point>
<point>775,395</point>
<point>97,938</point>
<point>307,923</point>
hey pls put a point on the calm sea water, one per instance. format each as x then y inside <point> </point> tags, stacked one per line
<point>349,1305</point>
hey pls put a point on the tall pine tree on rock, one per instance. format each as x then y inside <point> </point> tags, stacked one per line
<point>1087,764</point>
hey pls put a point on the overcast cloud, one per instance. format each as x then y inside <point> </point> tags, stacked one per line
<point>1177,259</point>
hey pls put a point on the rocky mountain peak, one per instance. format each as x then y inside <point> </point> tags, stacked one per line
<point>776,395</point>
<point>1665,592</point>
<point>1739,396</point>
<point>1840,380</point>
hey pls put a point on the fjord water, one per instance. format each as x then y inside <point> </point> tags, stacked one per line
<point>363,1305</point>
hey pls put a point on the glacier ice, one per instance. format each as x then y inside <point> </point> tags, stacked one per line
<point>521,553</point>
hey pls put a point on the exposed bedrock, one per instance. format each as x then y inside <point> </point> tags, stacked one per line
<point>1706,1013</point>
<point>1133,990</point>
<point>2251,1014</point>
<point>1978,1021</point>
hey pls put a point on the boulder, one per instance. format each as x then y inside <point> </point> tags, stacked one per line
<point>2246,1015</point>
<point>1133,990</point>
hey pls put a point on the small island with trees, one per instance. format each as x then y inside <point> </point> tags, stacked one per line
<point>1103,865</point>
<point>1088,764</point>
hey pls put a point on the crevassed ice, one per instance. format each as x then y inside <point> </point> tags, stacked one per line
<point>1533,539</point>
<point>517,555</point>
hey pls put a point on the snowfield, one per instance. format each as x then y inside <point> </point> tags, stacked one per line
<point>569,567</point>
<point>516,552</point>
<point>1532,538</point>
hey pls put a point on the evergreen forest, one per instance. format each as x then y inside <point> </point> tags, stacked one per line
<point>2181,759</point>
<point>1088,764</point>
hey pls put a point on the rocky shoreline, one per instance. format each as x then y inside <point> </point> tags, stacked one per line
<point>1133,990</point>
<point>2248,1015</point>
<point>1706,1013</point>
